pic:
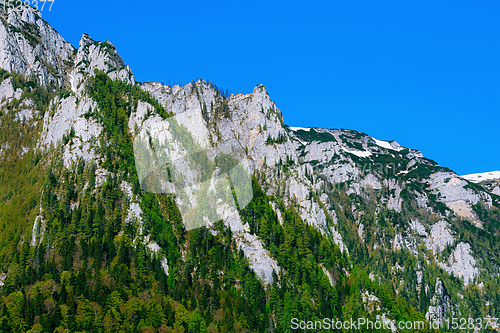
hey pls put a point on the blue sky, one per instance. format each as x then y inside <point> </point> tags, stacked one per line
<point>425,73</point>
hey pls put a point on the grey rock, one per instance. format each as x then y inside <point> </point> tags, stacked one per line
<point>30,46</point>
<point>440,304</point>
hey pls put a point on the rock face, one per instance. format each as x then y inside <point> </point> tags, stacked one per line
<point>454,192</point>
<point>69,116</point>
<point>489,180</point>
<point>439,237</point>
<point>30,46</point>
<point>304,166</point>
<point>91,56</point>
<point>496,190</point>
<point>189,105</point>
<point>370,197</point>
<point>440,304</point>
<point>7,91</point>
<point>461,263</point>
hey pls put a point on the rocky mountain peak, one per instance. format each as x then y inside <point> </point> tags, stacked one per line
<point>102,56</point>
<point>30,46</point>
<point>85,40</point>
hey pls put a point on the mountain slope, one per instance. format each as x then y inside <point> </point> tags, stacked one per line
<point>340,225</point>
<point>489,180</point>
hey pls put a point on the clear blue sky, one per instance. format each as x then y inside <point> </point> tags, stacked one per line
<point>425,73</point>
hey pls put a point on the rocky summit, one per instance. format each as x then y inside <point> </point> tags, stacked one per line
<point>339,225</point>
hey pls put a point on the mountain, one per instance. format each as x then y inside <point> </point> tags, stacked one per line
<point>489,180</point>
<point>339,225</point>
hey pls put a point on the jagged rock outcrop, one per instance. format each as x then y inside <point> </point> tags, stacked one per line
<point>92,56</point>
<point>440,304</point>
<point>461,263</point>
<point>30,46</point>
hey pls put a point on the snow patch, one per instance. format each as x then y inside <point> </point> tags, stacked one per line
<point>393,145</point>
<point>359,153</point>
<point>482,177</point>
<point>307,129</point>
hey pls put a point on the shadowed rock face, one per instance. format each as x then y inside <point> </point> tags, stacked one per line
<point>440,304</point>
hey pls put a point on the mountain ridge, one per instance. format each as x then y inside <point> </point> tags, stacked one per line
<point>328,205</point>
